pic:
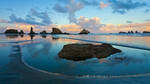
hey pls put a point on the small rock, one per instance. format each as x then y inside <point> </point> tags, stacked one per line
<point>84,31</point>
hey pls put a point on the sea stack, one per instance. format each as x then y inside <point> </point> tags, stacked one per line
<point>11,31</point>
<point>43,32</point>
<point>56,31</point>
<point>84,31</point>
<point>31,31</point>
<point>146,32</point>
<point>21,32</point>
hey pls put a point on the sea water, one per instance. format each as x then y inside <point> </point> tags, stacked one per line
<point>21,58</point>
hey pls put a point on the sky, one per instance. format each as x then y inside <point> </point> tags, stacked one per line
<point>97,16</point>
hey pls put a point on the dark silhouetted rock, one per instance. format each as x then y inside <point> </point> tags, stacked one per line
<point>66,33</point>
<point>31,31</point>
<point>11,31</point>
<point>137,32</point>
<point>84,31</point>
<point>146,32</point>
<point>43,32</point>
<point>122,32</point>
<point>21,32</point>
<point>79,52</point>
<point>32,36</point>
<point>56,31</point>
<point>130,32</point>
<point>55,38</point>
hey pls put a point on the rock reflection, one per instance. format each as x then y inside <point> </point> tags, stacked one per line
<point>55,38</point>
<point>43,35</point>
<point>32,36</point>
<point>11,36</point>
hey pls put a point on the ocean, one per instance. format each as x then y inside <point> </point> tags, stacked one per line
<point>34,59</point>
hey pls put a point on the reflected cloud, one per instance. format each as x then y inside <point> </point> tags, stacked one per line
<point>122,58</point>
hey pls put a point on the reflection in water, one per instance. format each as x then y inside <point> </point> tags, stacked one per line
<point>43,35</point>
<point>43,55</point>
<point>20,73</point>
<point>41,49</point>
<point>32,36</point>
<point>12,36</point>
<point>55,38</point>
<point>137,41</point>
<point>22,35</point>
<point>108,66</point>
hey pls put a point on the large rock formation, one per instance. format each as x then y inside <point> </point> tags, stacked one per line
<point>11,31</point>
<point>146,32</point>
<point>79,52</point>
<point>84,31</point>
<point>31,31</point>
<point>56,31</point>
<point>43,32</point>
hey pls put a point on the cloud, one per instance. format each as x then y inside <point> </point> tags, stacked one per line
<point>34,17</point>
<point>73,28</point>
<point>103,5</point>
<point>122,6</point>
<point>147,19</point>
<point>10,9</point>
<point>129,21</point>
<point>90,2</point>
<point>147,10</point>
<point>110,28</point>
<point>4,21</point>
<point>70,8</point>
<point>92,24</point>
<point>60,9</point>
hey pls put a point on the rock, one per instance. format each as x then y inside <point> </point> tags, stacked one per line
<point>84,31</point>
<point>146,32</point>
<point>66,33</point>
<point>31,31</point>
<point>21,32</point>
<point>56,31</point>
<point>43,32</point>
<point>78,52</point>
<point>11,31</point>
<point>122,32</point>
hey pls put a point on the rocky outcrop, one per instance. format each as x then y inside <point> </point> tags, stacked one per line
<point>56,31</point>
<point>31,31</point>
<point>11,31</point>
<point>21,32</point>
<point>78,52</point>
<point>43,32</point>
<point>145,32</point>
<point>84,31</point>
